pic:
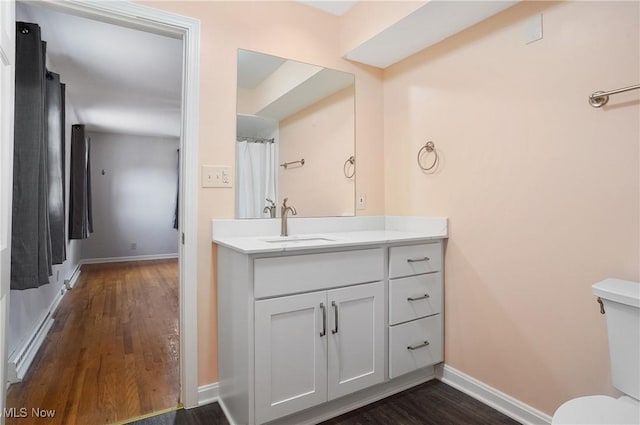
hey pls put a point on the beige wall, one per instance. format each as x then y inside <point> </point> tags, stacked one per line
<point>286,29</point>
<point>323,135</point>
<point>541,189</point>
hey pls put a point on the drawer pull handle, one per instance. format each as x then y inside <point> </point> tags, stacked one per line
<point>416,260</point>
<point>415,347</point>
<point>335,317</point>
<point>324,320</point>
<point>425,296</point>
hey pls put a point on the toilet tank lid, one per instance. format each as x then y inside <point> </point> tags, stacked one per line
<point>618,290</point>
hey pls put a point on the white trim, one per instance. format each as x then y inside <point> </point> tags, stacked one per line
<point>21,360</point>
<point>154,20</point>
<point>350,402</point>
<point>492,397</point>
<point>388,392</point>
<point>208,393</point>
<point>22,357</point>
<point>73,279</point>
<point>131,258</point>
<point>226,412</point>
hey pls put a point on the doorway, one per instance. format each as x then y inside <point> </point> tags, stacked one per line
<point>147,19</point>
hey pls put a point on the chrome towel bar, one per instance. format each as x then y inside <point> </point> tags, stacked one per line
<point>286,164</point>
<point>600,98</point>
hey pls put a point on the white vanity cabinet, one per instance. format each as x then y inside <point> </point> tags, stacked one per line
<point>415,307</point>
<point>308,332</point>
<point>315,347</point>
<point>290,355</point>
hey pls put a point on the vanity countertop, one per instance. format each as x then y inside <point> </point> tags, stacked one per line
<point>372,232</point>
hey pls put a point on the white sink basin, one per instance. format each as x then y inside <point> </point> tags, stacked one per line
<point>290,239</point>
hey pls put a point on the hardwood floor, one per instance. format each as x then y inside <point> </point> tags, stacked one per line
<point>432,403</point>
<point>112,353</point>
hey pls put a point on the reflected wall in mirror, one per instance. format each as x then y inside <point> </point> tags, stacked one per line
<point>295,132</point>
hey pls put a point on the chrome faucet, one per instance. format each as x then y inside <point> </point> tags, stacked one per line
<point>283,217</point>
<point>270,209</point>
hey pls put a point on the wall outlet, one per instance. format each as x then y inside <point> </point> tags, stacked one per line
<point>216,176</point>
<point>361,202</point>
<point>134,245</point>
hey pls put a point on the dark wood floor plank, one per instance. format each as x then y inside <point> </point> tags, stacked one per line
<point>432,403</point>
<point>112,352</point>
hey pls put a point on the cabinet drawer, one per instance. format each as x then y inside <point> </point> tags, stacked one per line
<point>408,348</point>
<point>414,297</point>
<point>415,259</point>
<point>302,273</point>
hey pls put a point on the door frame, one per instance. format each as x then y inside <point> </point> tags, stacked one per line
<point>7,85</point>
<point>137,16</point>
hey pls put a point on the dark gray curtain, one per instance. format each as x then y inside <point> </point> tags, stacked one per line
<point>80,213</point>
<point>55,136</point>
<point>30,238</point>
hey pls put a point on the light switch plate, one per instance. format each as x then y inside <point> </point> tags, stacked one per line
<point>216,176</point>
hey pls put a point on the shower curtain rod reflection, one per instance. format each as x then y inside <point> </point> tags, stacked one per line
<point>254,139</point>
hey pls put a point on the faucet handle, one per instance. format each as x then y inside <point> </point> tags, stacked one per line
<point>284,202</point>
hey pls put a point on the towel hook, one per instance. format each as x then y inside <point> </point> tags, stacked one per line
<point>345,168</point>
<point>429,147</point>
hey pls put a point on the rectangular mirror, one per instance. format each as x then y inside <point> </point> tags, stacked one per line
<point>295,138</point>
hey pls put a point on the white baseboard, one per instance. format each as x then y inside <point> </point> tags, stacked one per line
<point>226,412</point>
<point>348,403</point>
<point>21,359</point>
<point>482,392</point>
<point>130,258</point>
<point>73,279</point>
<point>207,394</point>
<point>492,397</point>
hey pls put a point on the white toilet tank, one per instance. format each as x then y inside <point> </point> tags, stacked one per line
<point>621,300</point>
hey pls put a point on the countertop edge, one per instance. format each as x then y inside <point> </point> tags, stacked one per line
<point>415,237</point>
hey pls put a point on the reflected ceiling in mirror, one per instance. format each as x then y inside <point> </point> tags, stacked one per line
<point>295,135</point>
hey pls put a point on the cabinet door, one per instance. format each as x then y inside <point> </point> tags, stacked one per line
<point>356,338</point>
<point>290,355</point>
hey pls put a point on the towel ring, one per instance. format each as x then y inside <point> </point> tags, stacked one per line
<point>428,148</point>
<point>352,161</point>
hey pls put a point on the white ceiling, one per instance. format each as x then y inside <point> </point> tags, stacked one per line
<point>254,67</point>
<point>317,87</point>
<point>297,85</point>
<point>335,7</point>
<point>428,25</point>
<point>118,79</point>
